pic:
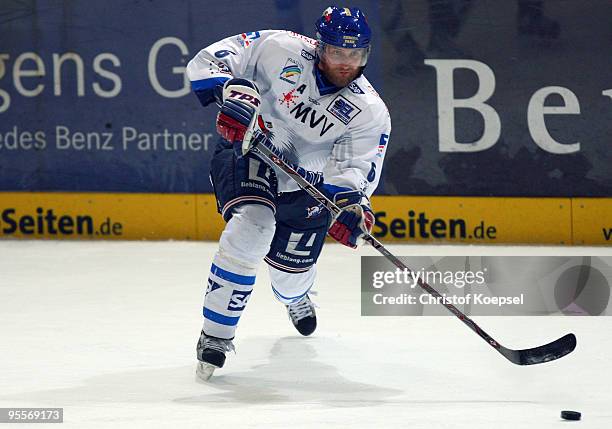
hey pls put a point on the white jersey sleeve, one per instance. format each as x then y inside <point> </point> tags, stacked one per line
<point>357,157</point>
<point>227,58</point>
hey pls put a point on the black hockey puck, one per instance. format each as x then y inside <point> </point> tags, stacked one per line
<point>570,415</point>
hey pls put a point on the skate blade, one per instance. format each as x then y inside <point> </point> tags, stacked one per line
<point>204,371</point>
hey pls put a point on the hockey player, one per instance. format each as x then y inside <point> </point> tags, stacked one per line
<point>313,102</point>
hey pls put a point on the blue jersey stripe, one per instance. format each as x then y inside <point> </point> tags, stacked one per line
<point>330,191</point>
<point>210,83</point>
<point>220,318</point>
<point>205,89</point>
<point>232,277</point>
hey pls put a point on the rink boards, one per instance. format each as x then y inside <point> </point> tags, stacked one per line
<point>398,218</point>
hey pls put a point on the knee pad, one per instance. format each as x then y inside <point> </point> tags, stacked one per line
<point>247,236</point>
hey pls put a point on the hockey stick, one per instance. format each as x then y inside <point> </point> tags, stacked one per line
<point>541,354</point>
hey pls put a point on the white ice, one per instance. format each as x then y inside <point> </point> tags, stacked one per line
<point>107,331</point>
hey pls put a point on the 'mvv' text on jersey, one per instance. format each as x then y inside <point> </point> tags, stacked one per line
<point>303,113</point>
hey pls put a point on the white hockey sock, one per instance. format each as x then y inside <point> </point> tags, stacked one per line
<point>289,288</point>
<point>243,244</point>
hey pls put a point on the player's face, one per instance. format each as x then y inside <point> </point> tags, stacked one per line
<point>341,65</point>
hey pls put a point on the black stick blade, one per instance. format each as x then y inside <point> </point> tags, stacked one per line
<point>551,351</point>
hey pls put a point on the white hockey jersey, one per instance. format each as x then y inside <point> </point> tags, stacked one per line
<point>341,132</point>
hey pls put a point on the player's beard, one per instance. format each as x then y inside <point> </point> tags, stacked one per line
<point>339,75</point>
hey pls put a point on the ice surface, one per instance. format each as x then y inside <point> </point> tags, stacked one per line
<point>107,330</point>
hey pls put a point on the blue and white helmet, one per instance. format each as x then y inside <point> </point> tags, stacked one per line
<point>345,28</point>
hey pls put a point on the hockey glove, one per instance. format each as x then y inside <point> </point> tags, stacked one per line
<point>238,116</point>
<point>354,221</point>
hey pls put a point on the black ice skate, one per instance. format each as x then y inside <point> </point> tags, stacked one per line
<point>211,354</point>
<point>303,316</point>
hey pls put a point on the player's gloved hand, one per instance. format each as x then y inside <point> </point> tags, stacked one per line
<point>354,221</point>
<point>237,118</point>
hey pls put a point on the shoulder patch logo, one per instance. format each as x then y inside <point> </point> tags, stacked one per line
<point>355,88</point>
<point>384,138</point>
<point>307,55</point>
<point>343,109</point>
<point>291,71</point>
<point>246,39</point>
